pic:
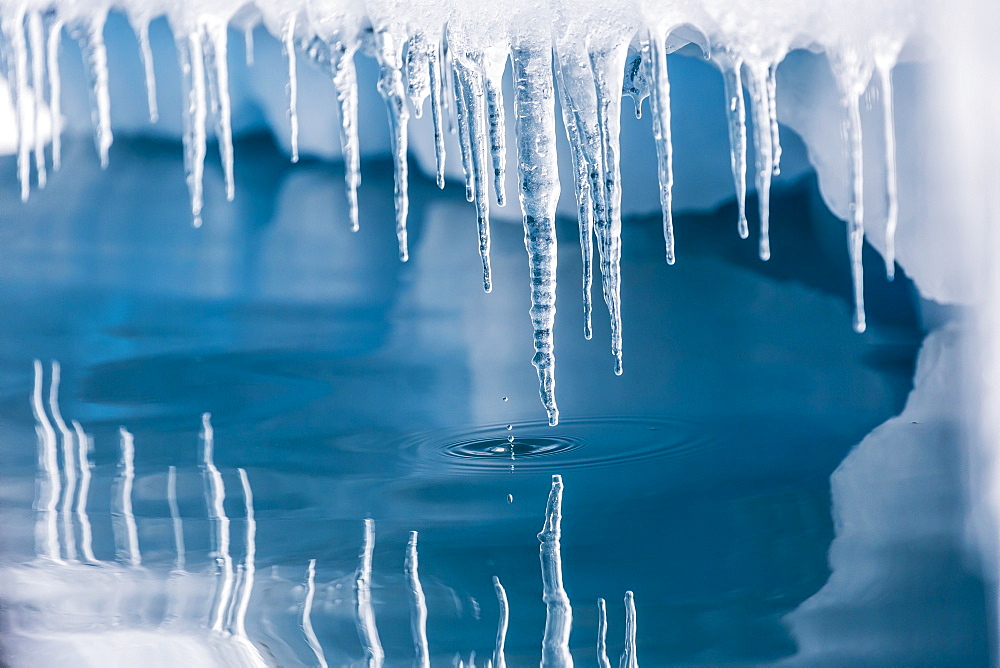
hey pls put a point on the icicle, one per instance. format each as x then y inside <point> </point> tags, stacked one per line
<point>584,204</point>
<point>69,464</point>
<point>659,100</point>
<point>306,622</point>
<point>602,635</point>
<point>389,53</point>
<point>83,459</point>
<point>470,80</point>
<point>418,604</point>
<point>538,186</point>
<point>558,613</point>
<point>437,100</point>
<point>367,631</point>
<point>288,45</point>
<point>36,37</point>
<point>249,560</point>
<point>96,64</point>
<point>175,519</point>
<point>215,496</point>
<point>760,108</point>
<point>418,81</point>
<point>607,64</point>
<point>54,38</point>
<point>499,660</point>
<point>146,55</point>
<point>190,51</point>
<point>884,69</point>
<point>464,135</point>
<point>126,534</point>
<point>494,65</point>
<point>46,529</point>
<point>856,224</point>
<point>731,67</point>
<point>629,657</point>
<point>248,44</point>
<point>772,111</point>
<point>18,73</point>
<point>637,80</point>
<point>345,81</point>
<point>217,66</point>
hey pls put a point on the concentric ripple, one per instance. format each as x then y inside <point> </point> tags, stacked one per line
<point>580,443</point>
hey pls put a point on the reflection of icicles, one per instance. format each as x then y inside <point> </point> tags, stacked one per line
<point>146,56</point>
<point>288,44</point>
<point>83,459</point>
<point>53,39</point>
<point>757,73</point>
<point>607,64</point>
<point>190,52</point>
<point>418,604</point>
<point>629,657</point>
<point>69,464</point>
<point>46,529</point>
<point>389,53</point>
<point>249,560</point>
<point>306,619</point>
<point>96,63</point>
<point>36,37</point>
<point>175,519</point>
<point>558,613</point>
<point>499,660</point>
<point>217,69</point>
<point>659,86</point>
<point>126,534</point>
<point>367,631</point>
<point>884,69</point>
<point>534,109</point>
<point>732,75</point>
<point>215,497</point>
<point>602,635</point>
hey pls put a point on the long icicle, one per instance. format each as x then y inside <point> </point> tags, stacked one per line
<point>760,108</point>
<point>53,40</point>
<point>464,134</point>
<point>288,45</point>
<point>389,53</point>
<point>659,99</point>
<point>472,89</point>
<point>14,35</point>
<point>96,63</point>
<point>418,75</point>
<point>418,604</point>
<point>584,201</point>
<point>189,51</point>
<point>538,190</point>
<point>345,82</point>
<point>884,70</point>
<point>146,55</point>
<point>732,75</point>
<point>608,65</point>
<point>558,612</point>
<point>493,68</point>
<point>217,65</point>
<point>772,112</point>
<point>856,224</point>
<point>437,101</point>
<point>36,37</point>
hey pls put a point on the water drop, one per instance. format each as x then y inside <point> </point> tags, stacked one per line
<point>509,427</point>
<point>505,398</point>
<point>510,498</point>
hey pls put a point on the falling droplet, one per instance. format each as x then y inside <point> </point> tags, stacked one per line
<point>509,427</point>
<point>505,398</point>
<point>510,498</point>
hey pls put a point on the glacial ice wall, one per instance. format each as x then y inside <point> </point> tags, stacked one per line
<point>569,63</point>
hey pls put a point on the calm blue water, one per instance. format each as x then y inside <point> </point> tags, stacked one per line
<point>350,386</point>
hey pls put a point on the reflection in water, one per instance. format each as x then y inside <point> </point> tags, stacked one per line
<point>418,603</point>
<point>558,613</point>
<point>499,659</point>
<point>367,630</point>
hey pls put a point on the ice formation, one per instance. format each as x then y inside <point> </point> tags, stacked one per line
<point>580,56</point>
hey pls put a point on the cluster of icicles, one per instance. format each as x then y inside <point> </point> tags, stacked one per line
<point>585,55</point>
